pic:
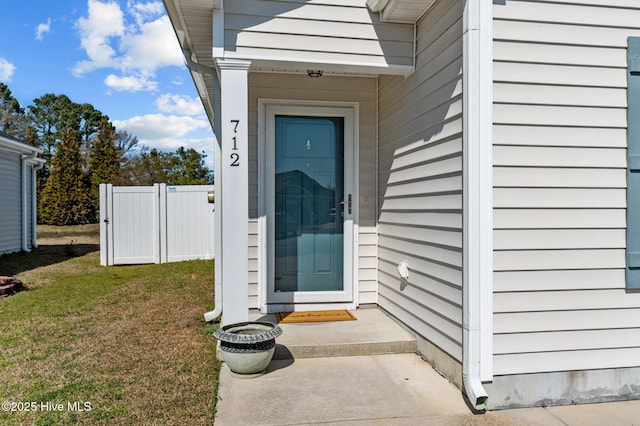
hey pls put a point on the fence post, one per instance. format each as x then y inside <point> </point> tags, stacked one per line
<point>163,223</point>
<point>103,225</point>
<point>106,224</point>
<point>156,223</point>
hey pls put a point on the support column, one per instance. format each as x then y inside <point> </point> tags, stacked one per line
<point>232,201</point>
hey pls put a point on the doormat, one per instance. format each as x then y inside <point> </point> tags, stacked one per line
<point>315,316</point>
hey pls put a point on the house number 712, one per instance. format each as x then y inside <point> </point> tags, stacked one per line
<point>235,157</point>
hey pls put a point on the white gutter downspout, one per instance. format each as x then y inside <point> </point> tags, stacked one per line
<point>37,164</point>
<point>29,160</point>
<point>217,310</point>
<point>23,168</point>
<point>477,285</point>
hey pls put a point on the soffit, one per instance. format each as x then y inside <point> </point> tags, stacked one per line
<point>404,11</point>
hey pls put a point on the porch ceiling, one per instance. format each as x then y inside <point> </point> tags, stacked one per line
<point>193,21</point>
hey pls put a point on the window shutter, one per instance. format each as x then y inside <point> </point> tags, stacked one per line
<point>633,163</point>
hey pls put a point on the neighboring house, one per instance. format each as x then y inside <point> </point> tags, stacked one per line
<point>461,164</point>
<point>18,165</point>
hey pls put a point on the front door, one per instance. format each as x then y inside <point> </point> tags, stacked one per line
<point>310,208</point>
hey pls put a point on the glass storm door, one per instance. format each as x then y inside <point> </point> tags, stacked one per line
<point>308,205</point>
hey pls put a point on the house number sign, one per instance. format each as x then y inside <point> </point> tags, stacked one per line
<point>235,157</point>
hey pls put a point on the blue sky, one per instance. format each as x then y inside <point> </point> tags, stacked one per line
<point>120,56</point>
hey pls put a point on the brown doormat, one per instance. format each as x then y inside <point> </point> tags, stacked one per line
<point>315,316</point>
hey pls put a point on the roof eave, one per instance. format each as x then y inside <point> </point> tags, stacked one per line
<point>10,143</point>
<point>400,11</point>
<point>178,22</point>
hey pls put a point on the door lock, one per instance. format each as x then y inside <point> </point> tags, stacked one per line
<point>348,203</point>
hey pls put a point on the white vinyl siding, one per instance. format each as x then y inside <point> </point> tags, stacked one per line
<point>420,184</point>
<point>10,202</point>
<point>328,31</point>
<point>560,186</point>
<point>254,269</point>
<point>329,89</point>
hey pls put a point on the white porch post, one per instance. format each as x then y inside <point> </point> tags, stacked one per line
<point>234,182</point>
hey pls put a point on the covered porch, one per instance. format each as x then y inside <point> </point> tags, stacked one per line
<point>395,178</point>
<point>255,63</point>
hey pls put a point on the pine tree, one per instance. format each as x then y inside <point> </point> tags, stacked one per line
<point>104,162</point>
<point>188,167</point>
<point>13,120</point>
<point>65,199</point>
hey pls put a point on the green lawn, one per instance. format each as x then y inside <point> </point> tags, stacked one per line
<point>122,345</point>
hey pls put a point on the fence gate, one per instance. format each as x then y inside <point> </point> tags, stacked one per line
<point>155,224</point>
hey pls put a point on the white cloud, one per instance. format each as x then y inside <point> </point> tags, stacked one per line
<point>179,104</point>
<point>130,83</point>
<point>135,44</point>
<point>104,21</point>
<point>155,127</point>
<point>6,70</point>
<point>42,29</point>
<point>145,11</point>
<point>153,45</point>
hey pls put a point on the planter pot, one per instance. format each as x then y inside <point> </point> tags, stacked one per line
<point>248,347</point>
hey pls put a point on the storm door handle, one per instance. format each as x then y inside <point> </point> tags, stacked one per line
<point>348,203</point>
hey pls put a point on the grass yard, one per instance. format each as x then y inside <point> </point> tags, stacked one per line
<point>94,345</point>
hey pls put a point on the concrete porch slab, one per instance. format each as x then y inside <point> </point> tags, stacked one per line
<point>372,333</point>
<point>388,388</point>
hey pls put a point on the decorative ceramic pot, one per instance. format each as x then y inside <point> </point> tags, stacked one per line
<point>248,347</point>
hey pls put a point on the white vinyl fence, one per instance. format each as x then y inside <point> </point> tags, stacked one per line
<point>155,224</point>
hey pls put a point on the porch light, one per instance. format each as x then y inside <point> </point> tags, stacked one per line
<point>314,73</point>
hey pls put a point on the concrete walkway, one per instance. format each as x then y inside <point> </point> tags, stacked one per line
<point>398,389</point>
<point>373,389</point>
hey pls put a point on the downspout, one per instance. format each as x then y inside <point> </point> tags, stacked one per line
<point>217,310</point>
<point>37,164</point>
<point>195,66</point>
<point>23,220</point>
<point>477,288</point>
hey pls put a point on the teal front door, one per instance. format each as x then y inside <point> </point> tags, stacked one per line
<point>309,204</point>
